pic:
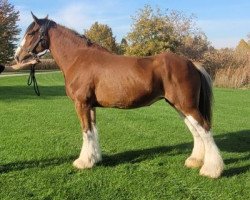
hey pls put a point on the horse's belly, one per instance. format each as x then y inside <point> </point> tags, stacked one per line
<point>125,97</point>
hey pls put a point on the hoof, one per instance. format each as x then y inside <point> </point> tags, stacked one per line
<point>212,171</point>
<point>80,164</point>
<point>192,162</point>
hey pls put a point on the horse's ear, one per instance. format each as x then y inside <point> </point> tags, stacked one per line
<point>34,17</point>
<point>47,17</point>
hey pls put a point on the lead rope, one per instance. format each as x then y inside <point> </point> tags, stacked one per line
<point>32,79</point>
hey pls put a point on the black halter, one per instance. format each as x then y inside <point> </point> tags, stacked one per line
<point>32,79</point>
<point>43,39</point>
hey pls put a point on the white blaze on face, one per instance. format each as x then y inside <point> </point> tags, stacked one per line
<point>20,46</point>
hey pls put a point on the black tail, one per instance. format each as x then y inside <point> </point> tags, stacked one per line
<point>206,96</point>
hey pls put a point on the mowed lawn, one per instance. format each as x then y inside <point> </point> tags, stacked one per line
<point>143,149</point>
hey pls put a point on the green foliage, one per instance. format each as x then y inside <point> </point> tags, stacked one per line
<point>8,30</point>
<point>122,46</point>
<point>102,34</point>
<point>143,149</point>
<point>151,33</point>
<point>155,31</point>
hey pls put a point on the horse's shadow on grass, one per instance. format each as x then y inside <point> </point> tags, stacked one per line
<point>235,142</point>
<point>18,166</point>
<point>27,92</point>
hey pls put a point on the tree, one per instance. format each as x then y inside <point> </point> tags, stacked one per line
<point>122,46</point>
<point>192,41</point>
<point>151,33</point>
<point>193,46</point>
<point>154,31</point>
<point>102,34</point>
<point>8,30</point>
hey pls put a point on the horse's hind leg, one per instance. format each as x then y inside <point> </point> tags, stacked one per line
<point>195,160</point>
<point>90,153</point>
<point>213,163</point>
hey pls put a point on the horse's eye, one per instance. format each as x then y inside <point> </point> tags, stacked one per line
<point>31,33</point>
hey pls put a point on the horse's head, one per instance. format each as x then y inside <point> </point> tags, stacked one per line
<point>35,40</point>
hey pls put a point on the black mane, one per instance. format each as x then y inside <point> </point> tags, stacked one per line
<point>82,36</point>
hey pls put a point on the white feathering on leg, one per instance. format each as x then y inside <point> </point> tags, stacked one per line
<point>213,163</point>
<point>90,152</point>
<point>196,158</point>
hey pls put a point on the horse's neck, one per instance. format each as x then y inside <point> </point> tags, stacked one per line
<point>63,46</point>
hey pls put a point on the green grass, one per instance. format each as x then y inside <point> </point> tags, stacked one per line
<point>143,150</point>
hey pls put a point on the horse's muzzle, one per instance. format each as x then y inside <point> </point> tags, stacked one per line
<point>2,67</point>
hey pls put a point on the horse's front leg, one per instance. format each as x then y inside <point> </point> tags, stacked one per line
<point>90,153</point>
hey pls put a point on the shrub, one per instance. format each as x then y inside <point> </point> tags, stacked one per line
<point>47,64</point>
<point>215,60</point>
<point>233,77</point>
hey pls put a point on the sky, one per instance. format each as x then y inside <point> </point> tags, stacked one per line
<point>224,22</point>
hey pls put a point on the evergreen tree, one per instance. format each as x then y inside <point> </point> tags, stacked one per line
<point>8,31</point>
<point>122,46</point>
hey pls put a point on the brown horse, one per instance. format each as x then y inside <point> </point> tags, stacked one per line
<point>95,77</point>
